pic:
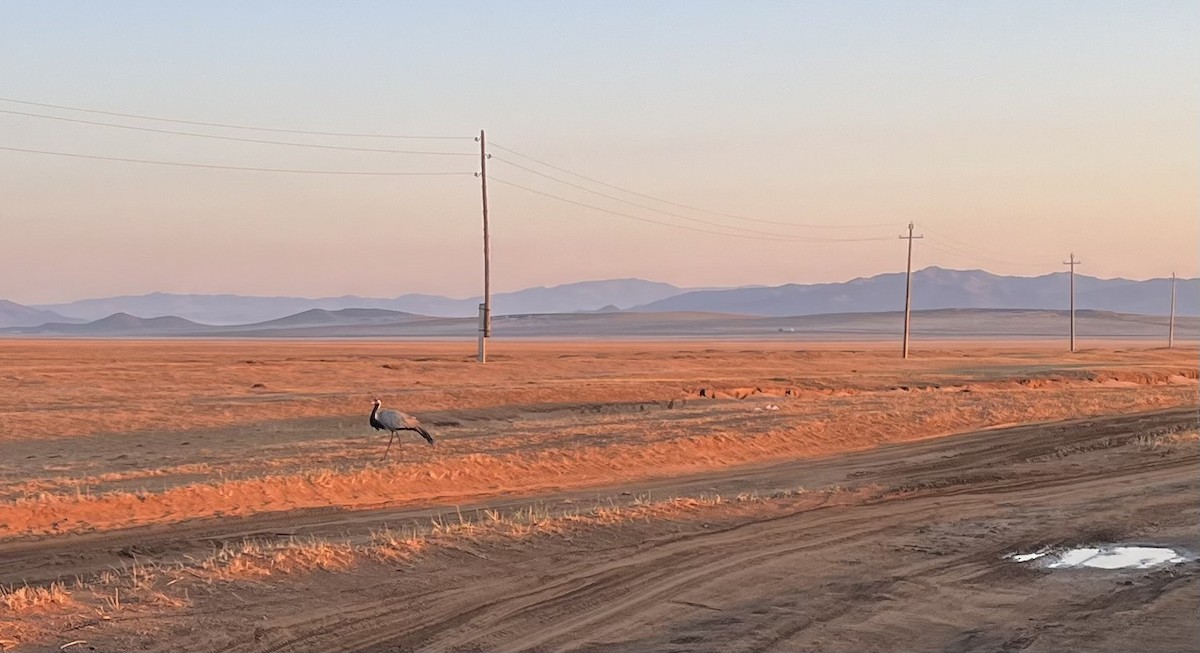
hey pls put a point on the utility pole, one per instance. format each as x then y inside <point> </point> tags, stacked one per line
<point>908,286</point>
<point>1072,262</point>
<point>1171,329</point>
<point>485,309</point>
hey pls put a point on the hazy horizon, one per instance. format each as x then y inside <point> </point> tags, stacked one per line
<point>1012,133</point>
<point>574,282</point>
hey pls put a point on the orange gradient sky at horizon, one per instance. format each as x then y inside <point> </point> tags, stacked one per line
<point>1012,133</point>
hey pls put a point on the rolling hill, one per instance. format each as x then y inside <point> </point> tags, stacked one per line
<point>240,309</point>
<point>938,288</point>
<point>117,324</point>
<point>933,289</point>
<point>373,323</point>
<point>13,314</point>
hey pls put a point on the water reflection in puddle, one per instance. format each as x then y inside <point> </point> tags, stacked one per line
<point>1103,557</point>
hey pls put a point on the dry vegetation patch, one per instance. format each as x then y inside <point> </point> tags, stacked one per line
<point>118,386</point>
<point>23,599</point>
<point>21,606</point>
<point>32,613</point>
<point>256,559</point>
<point>540,418</point>
<point>638,448</point>
<point>1171,441</point>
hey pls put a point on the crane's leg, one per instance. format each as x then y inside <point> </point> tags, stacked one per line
<point>389,447</point>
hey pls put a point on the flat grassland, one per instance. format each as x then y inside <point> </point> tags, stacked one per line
<point>203,495</point>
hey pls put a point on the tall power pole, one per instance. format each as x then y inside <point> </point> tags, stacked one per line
<point>908,286</point>
<point>1171,329</point>
<point>1072,262</point>
<point>485,309</point>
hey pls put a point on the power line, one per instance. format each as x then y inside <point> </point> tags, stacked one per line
<point>620,213</point>
<point>231,138</point>
<point>651,208</point>
<point>1171,327</point>
<point>949,238</point>
<point>908,285</point>
<point>381,173</point>
<point>953,250</point>
<point>970,251</point>
<point>1072,262</point>
<point>953,246</point>
<point>735,234</point>
<point>685,206</point>
<point>228,125</point>
<point>485,309</point>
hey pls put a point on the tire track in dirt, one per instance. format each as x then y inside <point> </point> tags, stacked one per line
<point>597,598</point>
<point>580,587</point>
<point>930,464</point>
<point>595,603</point>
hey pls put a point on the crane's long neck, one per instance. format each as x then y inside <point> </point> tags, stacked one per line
<point>374,410</point>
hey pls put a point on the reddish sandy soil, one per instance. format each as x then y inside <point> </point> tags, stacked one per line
<point>916,476</point>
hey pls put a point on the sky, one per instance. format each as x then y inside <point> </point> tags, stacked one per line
<point>763,142</point>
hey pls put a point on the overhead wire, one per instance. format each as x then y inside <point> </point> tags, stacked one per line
<point>950,245</point>
<point>947,237</point>
<point>736,234</point>
<point>233,138</point>
<point>651,208</point>
<point>956,251</point>
<point>943,242</point>
<point>679,204</point>
<point>230,125</point>
<point>378,173</point>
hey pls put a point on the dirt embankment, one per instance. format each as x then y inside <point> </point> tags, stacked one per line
<point>68,388</point>
<point>899,547</point>
<point>572,448</point>
<point>268,442</point>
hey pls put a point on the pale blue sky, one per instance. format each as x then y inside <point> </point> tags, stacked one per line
<point>1015,131</point>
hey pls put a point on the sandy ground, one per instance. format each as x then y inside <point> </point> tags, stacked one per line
<point>845,522</point>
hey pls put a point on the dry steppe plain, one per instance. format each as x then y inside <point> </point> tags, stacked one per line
<point>651,496</point>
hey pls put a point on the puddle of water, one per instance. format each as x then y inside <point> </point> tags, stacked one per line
<point>1117,557</point>
<point>1105,557</point>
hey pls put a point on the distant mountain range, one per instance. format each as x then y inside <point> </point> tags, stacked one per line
<point>316,321</point>
<point>933,288</point>
<point>938,288</point>
<point>240,309</point>
<point>378,323</point>
<point>13,314</point>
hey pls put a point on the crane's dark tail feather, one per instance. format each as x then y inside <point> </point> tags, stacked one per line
<point>425,434</point>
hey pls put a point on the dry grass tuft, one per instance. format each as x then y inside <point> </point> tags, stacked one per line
<point>1169,441</point>
<point>14,632</point>
<point>25,599</point>
<point>141,586</point>
<point>393,546</point>
<point>255,559</point>
<point>652,448</point>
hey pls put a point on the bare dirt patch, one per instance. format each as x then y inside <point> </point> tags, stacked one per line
<point>279,490</point>
<point>913,536</point>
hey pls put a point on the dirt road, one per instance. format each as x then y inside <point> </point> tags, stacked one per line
<point>897,548</point>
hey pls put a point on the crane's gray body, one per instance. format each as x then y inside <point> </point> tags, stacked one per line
<point>393,421</point>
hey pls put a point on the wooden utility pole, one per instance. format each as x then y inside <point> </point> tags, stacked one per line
<point>485,309</point>
<point>908,286</point>
<point>1171,329</point>
<point>1072,262</point>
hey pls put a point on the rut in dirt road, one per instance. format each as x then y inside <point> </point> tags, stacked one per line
<point>919,566</point>
<point>1010,454</point>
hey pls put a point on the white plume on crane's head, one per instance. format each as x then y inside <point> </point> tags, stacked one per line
<point>377,402</point>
